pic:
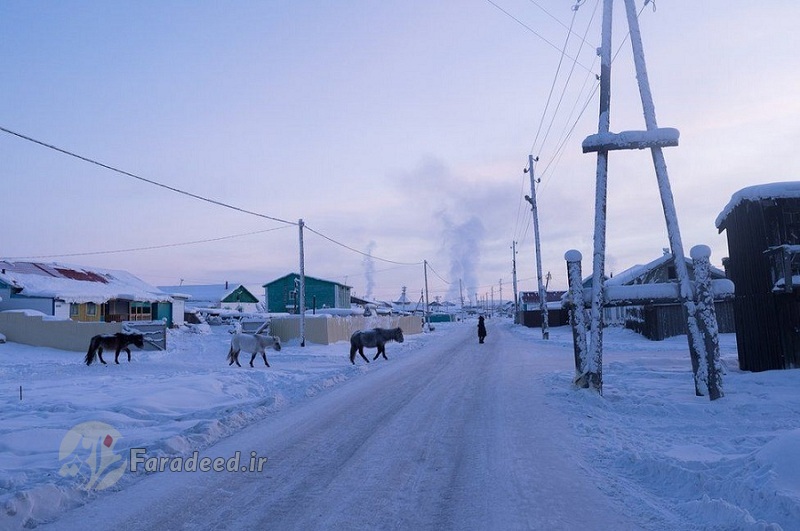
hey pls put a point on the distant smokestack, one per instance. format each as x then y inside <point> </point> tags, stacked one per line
<point>226,284</point>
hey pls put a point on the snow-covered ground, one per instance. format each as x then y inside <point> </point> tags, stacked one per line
<point>669,457</point>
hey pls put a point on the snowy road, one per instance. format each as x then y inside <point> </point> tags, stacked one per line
<point>454,437</point>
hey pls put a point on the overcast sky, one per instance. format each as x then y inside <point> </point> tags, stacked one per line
<point>398,129</point>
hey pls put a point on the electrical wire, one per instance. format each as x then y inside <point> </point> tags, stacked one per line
<point>340,244</point>
<point>143,179</point>
<point>518,21</point>
<point>149,248</point>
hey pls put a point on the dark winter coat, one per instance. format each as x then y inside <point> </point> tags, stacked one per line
<point>481,327</point>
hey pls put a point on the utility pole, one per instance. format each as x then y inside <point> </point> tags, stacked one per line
<point>501,293</point>
<point>514,276</point>
<point>427,316</point>
<point>302,295</point>
<point>542,293</point>
<point>461,295</point>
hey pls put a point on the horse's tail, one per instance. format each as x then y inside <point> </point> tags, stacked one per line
<point>234,350</point>
<point>92,352</point>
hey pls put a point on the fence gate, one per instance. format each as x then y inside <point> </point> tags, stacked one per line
<point>155,333</point>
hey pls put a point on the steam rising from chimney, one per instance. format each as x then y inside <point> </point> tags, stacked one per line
<point>369,269</point>
<point>462,242</point>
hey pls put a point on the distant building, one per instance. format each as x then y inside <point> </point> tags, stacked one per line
<point>663,320</point>
<point>530,313</point>
<point>282,295</point>
<point>404,304</point>
<point>81,293</point>
<point>229,296</point>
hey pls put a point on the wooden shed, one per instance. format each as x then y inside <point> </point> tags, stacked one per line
<point>658,321</point>
<point>762,224</point>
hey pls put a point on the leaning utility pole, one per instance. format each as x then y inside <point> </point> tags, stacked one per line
<point>542,293</point>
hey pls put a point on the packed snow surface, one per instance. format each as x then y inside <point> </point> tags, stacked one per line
<point>447,433</point>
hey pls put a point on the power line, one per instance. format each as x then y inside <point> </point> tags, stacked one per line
<point>143,179</point>
<point>149,248</point>
<point>518,21</point>
<point>569,78</point>
<point>438,275</point>
<point>340,244</point>
<point>177,190</point>
<point>183,192</point>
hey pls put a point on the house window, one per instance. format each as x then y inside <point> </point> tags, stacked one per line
<point>74,310</point>
<point>671,273</point>
<point>91,309</point>
<point>140,311</point>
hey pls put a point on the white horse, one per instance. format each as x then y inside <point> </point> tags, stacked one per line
<point>254,343</point>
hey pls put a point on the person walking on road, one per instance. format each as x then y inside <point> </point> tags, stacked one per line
<point>481,329</point>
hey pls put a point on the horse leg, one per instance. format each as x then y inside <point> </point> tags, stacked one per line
<point>129,354</point>
<point>253,357</point>
<point>264,355</point>
<point>100,355</point>
<point>361,351</point>
<point>381,350</point>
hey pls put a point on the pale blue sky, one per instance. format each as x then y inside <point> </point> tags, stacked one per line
<point>406,124</point>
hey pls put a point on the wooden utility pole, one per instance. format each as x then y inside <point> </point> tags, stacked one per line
<point>427,315</point>
<point>542,293</point>
<point>514,277</point>
<point>302,295</point>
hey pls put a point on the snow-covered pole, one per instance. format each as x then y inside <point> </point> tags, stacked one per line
<point>542,294</point>
<point>707,320</point>
<point>302,295</point>
<point>594,368</point>
<point>696,345</point>
<point>577,315</point>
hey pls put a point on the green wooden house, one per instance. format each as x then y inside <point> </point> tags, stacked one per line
<point>282,294</point>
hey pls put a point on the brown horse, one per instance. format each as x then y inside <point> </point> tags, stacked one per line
<point>118,342</point>
<point>377,337</point>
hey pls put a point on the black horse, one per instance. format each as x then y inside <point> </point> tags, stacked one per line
<point>377,337</point>
<point>118,342</point>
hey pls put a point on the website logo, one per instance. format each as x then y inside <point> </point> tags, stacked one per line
<point>87,451</point>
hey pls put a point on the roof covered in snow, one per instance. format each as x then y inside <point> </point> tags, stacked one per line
<point>782,190</point>
<point>76,284</point>
<point>636,274</point>
<point>206,294</point>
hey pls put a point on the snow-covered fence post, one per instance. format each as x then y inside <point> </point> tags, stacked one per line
<point>577,314</point>
<point>706,316</point>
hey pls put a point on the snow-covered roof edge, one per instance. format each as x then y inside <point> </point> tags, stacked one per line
<point>115,284</point>
<point>789,189</point>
